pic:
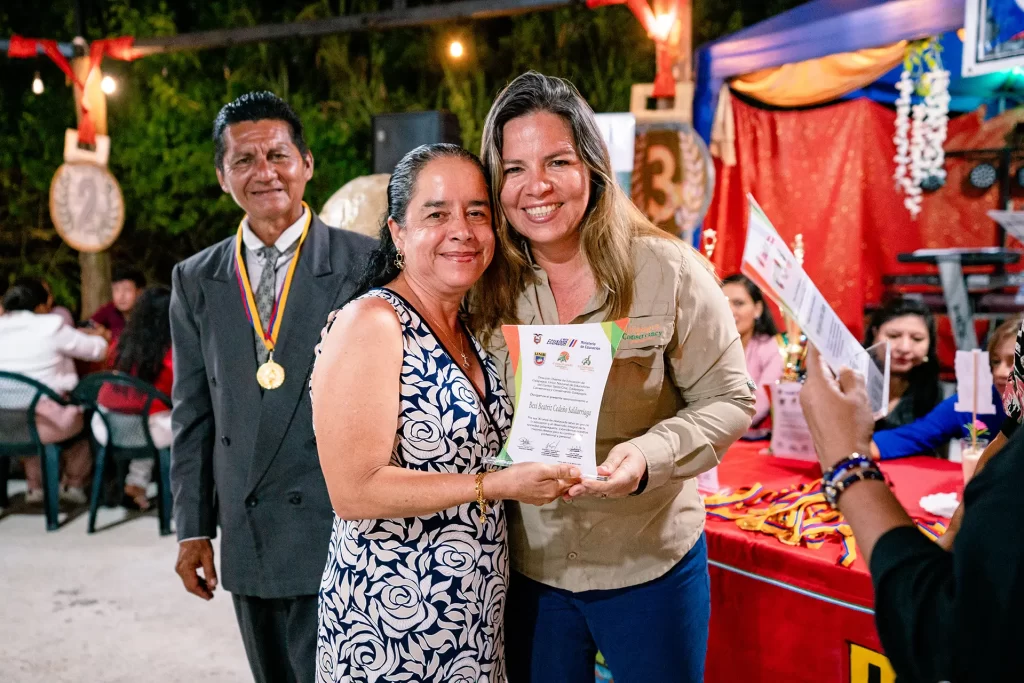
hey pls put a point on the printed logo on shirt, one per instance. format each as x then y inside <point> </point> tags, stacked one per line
<point>645,332</point>
<point>642,336</point>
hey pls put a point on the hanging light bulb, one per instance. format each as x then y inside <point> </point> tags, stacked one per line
<point>37,85</point>
<point>108,85</point>
<point>663,24</point>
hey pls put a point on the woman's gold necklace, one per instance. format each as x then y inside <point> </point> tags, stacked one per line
<point>462,346</point>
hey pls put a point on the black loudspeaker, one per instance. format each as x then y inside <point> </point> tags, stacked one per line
<point>394,135</point>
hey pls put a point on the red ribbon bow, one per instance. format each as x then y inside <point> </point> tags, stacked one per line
<point>119,48</point>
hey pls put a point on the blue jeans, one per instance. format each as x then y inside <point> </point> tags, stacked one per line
<point>654,632</point>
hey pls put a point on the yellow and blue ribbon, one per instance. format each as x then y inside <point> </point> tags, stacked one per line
<point>269,334</point>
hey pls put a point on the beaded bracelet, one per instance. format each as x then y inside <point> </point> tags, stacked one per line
<point>852,461</point>
<point>834,489</point>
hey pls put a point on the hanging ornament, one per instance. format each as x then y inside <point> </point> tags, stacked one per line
<point>921,128</point>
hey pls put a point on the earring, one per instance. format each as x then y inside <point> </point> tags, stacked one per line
<point>925,359</point>
<point>399,260</point>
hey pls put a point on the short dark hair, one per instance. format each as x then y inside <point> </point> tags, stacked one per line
<point>24,297</point>
<point>765,323</point>
<point>380,267</point>
<point>122,273</point>
<point>255,106</point>
<point>36,285</point>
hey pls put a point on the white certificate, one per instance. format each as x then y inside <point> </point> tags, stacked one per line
<point>560,375</point>
<point>773,267</point>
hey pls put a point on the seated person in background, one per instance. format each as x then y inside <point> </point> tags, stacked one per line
<point>50,306</point>
<point>38,345</point>
<point>1013,400</point>
<point>941,616</point>
<point>944,422</point>
<point>757,331</point>
<point>143,350</point>
<point>126,283</point>
<point>914,389</point>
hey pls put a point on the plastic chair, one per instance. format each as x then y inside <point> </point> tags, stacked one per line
<point>19,437</point>
<point>128,436</point>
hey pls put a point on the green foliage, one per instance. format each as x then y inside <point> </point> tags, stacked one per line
<point>160,120</point>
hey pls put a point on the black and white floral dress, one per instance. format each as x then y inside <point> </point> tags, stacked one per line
<point>423,598</point>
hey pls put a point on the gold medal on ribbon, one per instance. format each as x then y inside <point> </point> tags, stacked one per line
<point>270,375</point>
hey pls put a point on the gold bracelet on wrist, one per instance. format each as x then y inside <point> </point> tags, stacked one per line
<point>480,496</point>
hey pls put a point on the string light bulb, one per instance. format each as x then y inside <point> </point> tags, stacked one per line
<point>37,85</point>
<point>663,24</point>
<point>456,50</point>
<point>108,85</point>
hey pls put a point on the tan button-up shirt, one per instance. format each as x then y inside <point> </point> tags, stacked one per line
<point>678,390</point>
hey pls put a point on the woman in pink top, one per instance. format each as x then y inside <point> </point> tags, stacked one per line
<point>757,331</point>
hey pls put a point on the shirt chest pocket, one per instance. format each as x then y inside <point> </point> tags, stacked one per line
<point>637,376</point>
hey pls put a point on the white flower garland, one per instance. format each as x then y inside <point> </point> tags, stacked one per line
<point>920,130</point>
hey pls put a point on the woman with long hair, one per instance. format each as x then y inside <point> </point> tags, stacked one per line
<point>757,330</point>
<point>619,565</point>
<point>142,350</point>
<point>407,410</point>
<point>909,327</point>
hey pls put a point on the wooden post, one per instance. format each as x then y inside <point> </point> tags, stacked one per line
<point>685,64</point>
<point>95,267</point>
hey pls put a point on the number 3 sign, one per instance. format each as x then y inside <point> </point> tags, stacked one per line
<point>86,204</point>
<point>673,176</point>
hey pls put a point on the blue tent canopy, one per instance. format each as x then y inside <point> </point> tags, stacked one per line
<point>825,27</point>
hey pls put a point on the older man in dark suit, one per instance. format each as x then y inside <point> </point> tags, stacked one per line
<point>246,315</point>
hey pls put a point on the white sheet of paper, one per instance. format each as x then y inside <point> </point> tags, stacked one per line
<point>974,383</point>
<point>791,437</point>
<point>707,482</point>
<point>1012,222</point>
<point>770,263</point>
<point>560,371</point>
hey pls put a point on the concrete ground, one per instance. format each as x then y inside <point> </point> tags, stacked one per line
<point>106,607</point>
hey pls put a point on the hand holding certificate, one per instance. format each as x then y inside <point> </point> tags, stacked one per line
<point>560,375</point>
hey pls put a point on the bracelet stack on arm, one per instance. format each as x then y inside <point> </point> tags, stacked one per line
<point>845,473</point>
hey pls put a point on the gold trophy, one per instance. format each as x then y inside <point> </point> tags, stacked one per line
<point>791,437</point>
<point>793,345</point>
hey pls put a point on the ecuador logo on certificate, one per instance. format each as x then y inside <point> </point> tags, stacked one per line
<point>560,376</point>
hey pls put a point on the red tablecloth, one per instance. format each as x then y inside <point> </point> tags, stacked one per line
<point>802,630</point>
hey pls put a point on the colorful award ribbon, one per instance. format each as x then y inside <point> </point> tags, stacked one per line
<point>796,515</point>
<point>270,375</point>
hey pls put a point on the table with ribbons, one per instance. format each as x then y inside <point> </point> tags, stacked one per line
<point>791,600</point>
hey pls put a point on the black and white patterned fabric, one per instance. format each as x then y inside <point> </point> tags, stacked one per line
<point>423,599</point>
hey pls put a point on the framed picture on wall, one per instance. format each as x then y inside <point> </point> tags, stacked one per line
<point>993,36</point>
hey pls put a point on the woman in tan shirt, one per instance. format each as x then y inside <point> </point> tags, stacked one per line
<point>618,566</point>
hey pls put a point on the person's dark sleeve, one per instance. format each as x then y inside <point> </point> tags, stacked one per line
<point>1009,427</point>
<point>193,422</point>
<point>914,596</point>
<point>955,617</point>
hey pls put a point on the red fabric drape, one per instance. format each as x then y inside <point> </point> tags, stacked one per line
<point>827,173</point>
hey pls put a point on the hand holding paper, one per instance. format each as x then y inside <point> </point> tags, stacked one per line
<point>769,263</point>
